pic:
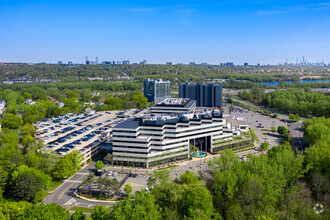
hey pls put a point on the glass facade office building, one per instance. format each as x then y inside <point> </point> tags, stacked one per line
<point>205,95</point>
<point>157,90</point>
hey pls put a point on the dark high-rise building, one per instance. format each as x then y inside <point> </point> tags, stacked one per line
<point>206,95</point>
<point>157,90</point>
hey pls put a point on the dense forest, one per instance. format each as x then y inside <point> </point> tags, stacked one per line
<point>191,73</point>
<point>26,173</point>
<point>295,101</point>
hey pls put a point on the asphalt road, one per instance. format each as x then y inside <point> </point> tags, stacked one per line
<point>63,195</point>
<point>297,135</point>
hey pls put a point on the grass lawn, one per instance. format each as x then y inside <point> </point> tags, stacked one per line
<point>54,185</point>
<point>75,208</point>
<point>163,168</point>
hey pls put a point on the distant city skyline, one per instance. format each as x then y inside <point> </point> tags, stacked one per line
<point>213,32</point>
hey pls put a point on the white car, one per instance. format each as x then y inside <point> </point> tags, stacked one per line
<point>115,174</point>
<point>110,173</point>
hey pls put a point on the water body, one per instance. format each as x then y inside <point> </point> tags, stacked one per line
<point>301,81</point>
<point>199,154</point>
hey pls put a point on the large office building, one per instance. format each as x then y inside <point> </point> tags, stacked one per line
<point>154,139</point>
<point>157,90</point>
<point>205,95</point>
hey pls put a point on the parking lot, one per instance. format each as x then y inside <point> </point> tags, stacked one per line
<point>82,132</point>
<point>260,123</point>
<point>137,181</point>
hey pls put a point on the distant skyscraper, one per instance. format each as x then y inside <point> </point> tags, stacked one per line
<point>205,95</point>
<point>144,62</point>
<point>192,63</point>
<point>125,61</point>
<point>86,60</point>
<point>118,62</point>
<point>229,64</point>
<point>157,90</point>
<point>97,60</point>
<point>59,62</point>
<point>246,64</point>
<point>168,63</point>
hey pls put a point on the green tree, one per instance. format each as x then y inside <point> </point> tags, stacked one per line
<point>128,189</point>
<point>73,95</point>
<point>140,100</point>
<point>316,129</point>
<point>108,158</point>
<point>251,198</point>
<point>67,165</point>
<point>1,196</point>
<point>235,212</point>
<point>29,183</point>
<point>189,178</point>
<point>142,207</point>
<point>294,118</point>
<point>33,160</point>
<point>3,177</point>
<point>163,176</point>
<point>50,159</point>
<point>264,146</point>
<point>100,213</point>
<point>50,211</point>
<point>13,210</point>
<point>99,165</point>
<point>320,187</point>
<point>12,121</point>
<point>27,140</point>
<point>318,157</point>
<point>78,215</point>
<point>27,129</point>
<point>282,130</point>
<point>27,95</point>
<point>274,129</point>
<point>198,203</point>
<point>72,105</point>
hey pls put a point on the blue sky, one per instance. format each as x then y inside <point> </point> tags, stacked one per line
<point>255,31</point>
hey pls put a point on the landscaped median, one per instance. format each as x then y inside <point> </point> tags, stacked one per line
<point>112,200</point>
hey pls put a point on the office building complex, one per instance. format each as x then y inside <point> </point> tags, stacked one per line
<point>157,90</point>
<point>205,95</point>
<point>153,139</point>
